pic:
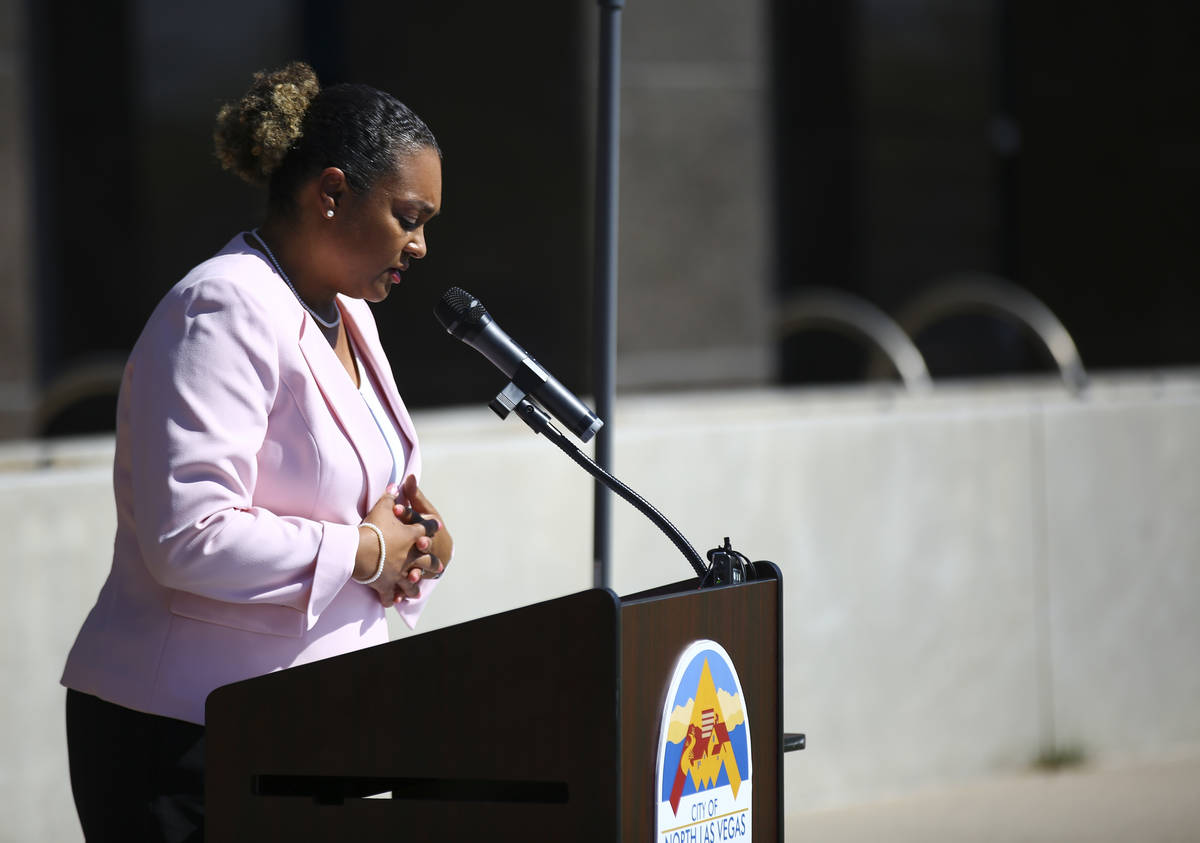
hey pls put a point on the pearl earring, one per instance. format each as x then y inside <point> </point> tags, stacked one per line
<point>329,214</point>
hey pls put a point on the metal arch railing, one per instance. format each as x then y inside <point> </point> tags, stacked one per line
<point>820,307</point>
<point>979,292</point>
<point>98,377</point>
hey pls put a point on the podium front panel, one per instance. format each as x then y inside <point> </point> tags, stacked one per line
<point>656,628</point>
<point>500,728</point>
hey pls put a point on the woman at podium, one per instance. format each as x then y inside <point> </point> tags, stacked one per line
<point>266,468</point>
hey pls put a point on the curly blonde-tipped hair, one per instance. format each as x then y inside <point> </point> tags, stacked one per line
<point>253,135</point>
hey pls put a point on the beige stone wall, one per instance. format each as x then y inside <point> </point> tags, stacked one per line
<point>16,210</point>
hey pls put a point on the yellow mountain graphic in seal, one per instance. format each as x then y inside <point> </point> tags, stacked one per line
<point>707,745</point>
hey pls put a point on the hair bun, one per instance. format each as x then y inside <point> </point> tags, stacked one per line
<point>253,135</point>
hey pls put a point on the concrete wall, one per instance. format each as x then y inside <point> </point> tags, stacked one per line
<point>971,577</point>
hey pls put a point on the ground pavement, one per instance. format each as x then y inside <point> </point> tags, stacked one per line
<point>1144,802</point>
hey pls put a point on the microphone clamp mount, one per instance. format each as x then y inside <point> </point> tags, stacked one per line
<point>526,381</point>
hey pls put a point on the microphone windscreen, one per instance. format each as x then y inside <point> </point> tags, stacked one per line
<point>458,310</point>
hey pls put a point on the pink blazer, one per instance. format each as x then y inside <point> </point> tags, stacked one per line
<point>245,459</point>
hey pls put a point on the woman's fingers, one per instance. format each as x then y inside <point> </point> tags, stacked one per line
<point>426,566</point>
<point>411,491</point>
<point>420,566</point>
<point>410,516</point>
<point>417,498</point>
<point>438,568</point>
<point>408,585</point>
<point>412,534</point>
<point>407,588</point>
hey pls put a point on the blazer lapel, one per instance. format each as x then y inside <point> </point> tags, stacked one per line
<point>373,357</point>
<point>348,407</point>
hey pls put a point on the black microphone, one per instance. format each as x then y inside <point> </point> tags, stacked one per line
<point>464,317</point>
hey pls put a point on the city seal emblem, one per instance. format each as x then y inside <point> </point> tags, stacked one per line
<point>704,771</point>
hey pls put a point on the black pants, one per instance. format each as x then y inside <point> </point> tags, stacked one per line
<point>135,776</point>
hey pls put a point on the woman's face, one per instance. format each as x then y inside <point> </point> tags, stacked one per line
<point>378,233</point>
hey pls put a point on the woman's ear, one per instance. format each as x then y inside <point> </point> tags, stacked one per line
<point>331,188</point>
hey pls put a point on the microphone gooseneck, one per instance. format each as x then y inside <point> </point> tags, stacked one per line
<point>533,392</point>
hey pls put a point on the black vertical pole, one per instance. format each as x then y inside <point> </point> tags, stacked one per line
<point>604,286</point>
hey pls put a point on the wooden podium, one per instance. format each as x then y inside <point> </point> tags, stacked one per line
<point>536,724</point>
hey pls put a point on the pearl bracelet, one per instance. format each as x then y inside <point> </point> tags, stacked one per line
<point>382,554</point>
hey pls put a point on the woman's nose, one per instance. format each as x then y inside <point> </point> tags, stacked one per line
<point>416,246</point>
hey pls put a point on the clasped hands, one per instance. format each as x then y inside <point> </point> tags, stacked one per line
<point>418,544</point>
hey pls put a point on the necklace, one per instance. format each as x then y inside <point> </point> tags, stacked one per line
<point>326,322</point>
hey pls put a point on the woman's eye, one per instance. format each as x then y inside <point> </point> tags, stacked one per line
<point>407,224</point>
